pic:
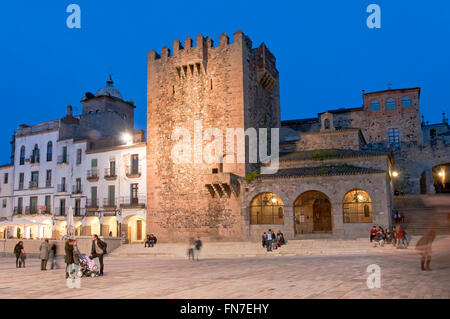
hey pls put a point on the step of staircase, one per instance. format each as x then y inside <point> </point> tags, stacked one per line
<point>252,249</point>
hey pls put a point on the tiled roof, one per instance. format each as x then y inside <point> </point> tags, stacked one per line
<point>328,170</point>
<point>327,154</point>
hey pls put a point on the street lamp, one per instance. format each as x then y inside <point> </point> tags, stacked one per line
<point>127,138</point>
<point>395,174</point>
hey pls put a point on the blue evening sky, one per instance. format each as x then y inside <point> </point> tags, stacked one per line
<point>325,53</point>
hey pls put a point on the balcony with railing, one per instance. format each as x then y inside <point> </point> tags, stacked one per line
<point>31,210</point>
<point>62,188</point>
<point>21,186</point>
<point>77,190</point>
<point>48,183</point>
<point>79,211</point>
<point>18,210</point>
<point>92,175</point>
<point>62,160</point>
<point>110,174</point>
<point>61,211</point>
<point>91,205</point>
<point>110,203</point>
<point>34,159</point>
<point>133,171</point>
<point>128,202</point>
<point>33,185</point>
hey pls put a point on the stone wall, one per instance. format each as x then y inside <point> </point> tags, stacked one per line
<point>340,139</point>
<point>288,189</point>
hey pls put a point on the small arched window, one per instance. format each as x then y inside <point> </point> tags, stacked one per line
<point>390,104</point>
<point>35,154</point>
<point>357,207</point>
<point>327,123</point>
<point>22,155</point>
<point>267,209</point>
<point>406,101</point>
<point>49,151</point>
<point>374,105</point>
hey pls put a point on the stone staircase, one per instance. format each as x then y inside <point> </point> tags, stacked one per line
<point>304,247</point>
<point>425,212</point>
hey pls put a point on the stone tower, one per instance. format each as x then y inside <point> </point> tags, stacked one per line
<point>231,85</point>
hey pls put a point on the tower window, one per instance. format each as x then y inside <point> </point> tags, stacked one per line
<point>374,105</point>
<point>390,104</point>
<point>406,101</point>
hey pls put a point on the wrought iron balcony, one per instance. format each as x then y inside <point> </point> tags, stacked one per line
<point>33,185</point>
<point>110,174</point>
<point>92,175</point>
<point>34,159</point>
<point>48,183</point>
<point>77,190</point>
<point>133,171</point>
<point>91,204</point>
<point>18,210</point>
<point>129,202</point>
<point>31,210</point>
<point>63,159</point>
<point>20,186</point>
<point>62,188</point>
<point>61,211</point>
<point>109,203</point>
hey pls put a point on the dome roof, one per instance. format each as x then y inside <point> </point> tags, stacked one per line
<point>109,90</point>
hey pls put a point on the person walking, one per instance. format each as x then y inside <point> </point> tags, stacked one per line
<point>423,248</point>
<point>269,240</point>
<point>197,247</point>
<point>190,250</point>
<point>53,263</point>
<point>44,251</point>
<point>17,250</point>
<point>68,258</point>
<point>22,257</point>
<point>98,250</point>
<point>399,234</point>
<point>264,239</point>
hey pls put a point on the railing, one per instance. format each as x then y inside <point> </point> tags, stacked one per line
<point>48,183</point>
<point>63,159</point>
<point>33,184</point>
<point>21,186</point>
<point>61,211</point>
<point>133,202</point>
<point>34,159</point>
<point>61,188</point>
<point>133,171</point>
<point>91,203</point>
<point>79,211</point>
<point>18,210</point>
<point>109,203</point>
<point>29,210</point>
<point>110,173</point>
<point>92,174</point>
<point>77,189</point>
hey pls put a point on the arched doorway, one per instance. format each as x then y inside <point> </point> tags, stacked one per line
<point>93,226</point>
<point>267,209</point>
<point>312,211</point>
<point>441,177</point>
<point>110,226</point>
<point>135,228</point>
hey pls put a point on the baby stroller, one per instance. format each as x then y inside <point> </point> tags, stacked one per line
<point>88,267</point>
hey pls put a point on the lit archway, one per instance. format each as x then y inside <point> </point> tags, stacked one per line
<point>312,211</point>
<point>441,178</point>
<point>110,226</point>
<point>78,228</point>
<point>135,228</point>
<point>357,207</point>
<point>93,226</point>
<point>61,229</point>
<point>267,209</point>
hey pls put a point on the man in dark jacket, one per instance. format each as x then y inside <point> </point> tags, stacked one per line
<point>17,250</point>
<point>98,250</point>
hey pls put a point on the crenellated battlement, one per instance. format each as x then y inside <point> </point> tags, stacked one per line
<point>201,43</point>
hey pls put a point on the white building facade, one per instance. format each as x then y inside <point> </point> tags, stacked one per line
<point>80,163</point>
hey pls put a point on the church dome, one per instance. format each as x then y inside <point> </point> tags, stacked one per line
<point>109,90</point>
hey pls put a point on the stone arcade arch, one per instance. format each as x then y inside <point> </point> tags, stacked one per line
<point>266,209</point>
<point>92,226</point>
<point>312,213</point>
<point>134,228</point>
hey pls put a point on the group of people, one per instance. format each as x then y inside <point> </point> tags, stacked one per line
<point>380,237</point>
<point>72,253</point>
<point>150,241</point>
<point>270,240</point>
